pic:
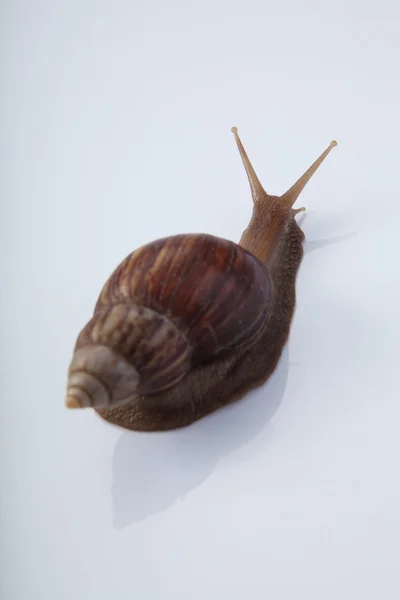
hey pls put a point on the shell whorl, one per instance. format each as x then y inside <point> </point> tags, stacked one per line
<point>99,377</point>
<point>125,351</point>
<point>168,307</point>
<point>216,292</point>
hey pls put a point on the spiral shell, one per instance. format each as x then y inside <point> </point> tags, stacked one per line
<point>169,306</point>
<point>214,291</point>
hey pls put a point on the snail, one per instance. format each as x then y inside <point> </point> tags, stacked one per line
<point>189,323</point>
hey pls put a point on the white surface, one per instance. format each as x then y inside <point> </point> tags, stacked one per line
<point>115,128</point>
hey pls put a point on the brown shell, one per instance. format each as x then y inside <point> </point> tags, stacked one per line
<point>212,289</point>
<point>159,352</point>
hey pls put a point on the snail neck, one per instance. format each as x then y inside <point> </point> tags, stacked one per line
<point>269,231</point>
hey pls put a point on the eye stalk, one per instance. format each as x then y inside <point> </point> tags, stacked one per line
<point>257,190</point>
<point>289,197</point>
<point>271,214</point>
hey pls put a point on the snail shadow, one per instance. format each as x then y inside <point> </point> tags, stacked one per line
<point>152,471</point>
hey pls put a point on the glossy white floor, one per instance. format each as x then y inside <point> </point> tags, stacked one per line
<point>116,122</point>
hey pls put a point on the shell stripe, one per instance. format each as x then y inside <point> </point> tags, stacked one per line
<point>97,378</point>
<point>213,290</point>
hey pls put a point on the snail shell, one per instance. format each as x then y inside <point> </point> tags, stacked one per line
<point>170,306</point>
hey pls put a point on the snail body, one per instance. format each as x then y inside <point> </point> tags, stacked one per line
<point>189,323</point>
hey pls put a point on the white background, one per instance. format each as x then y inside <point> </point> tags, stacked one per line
<point>115,130</point>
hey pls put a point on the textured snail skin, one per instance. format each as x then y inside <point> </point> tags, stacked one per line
<point>192,322</point>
